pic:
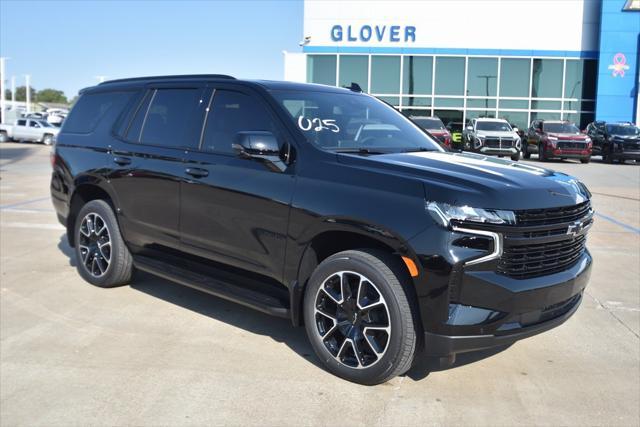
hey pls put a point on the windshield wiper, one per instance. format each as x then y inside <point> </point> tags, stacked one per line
<point>359,151</point>
<point>416,149</point>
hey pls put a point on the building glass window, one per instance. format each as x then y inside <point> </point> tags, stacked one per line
<point>580,79</point>
<point>481,103</point>
<point>580,119</point>
<point>355,69</point>
<point>415,113</point>
<point>449,76</point>
<point>385,74</point>
<point>449,102</point>
<point>474,114</point>
<point>545,105</point>
<point>545,116</point>
<point>417,75</point>
<point>547,78</point>
<point>517,119</point>
<point>414,101</point>
<point>482,77</point>
<point>514,77</point>
<point>514,103</point>
<point>449,117</point>
<point>321,69</point>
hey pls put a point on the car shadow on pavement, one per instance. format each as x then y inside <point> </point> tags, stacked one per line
<point>423,365</point>
<point>9,155</point>
<point>255,322</point>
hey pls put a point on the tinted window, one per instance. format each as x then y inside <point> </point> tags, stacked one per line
<point>133,134</point>
<point>34,124</point>
<point>22,122</point>
<point>493,126</point>
<point>449,76</point>
<point>547,78</point>
<point>91,108</point>
<point>384,74</point>
<point>170,118</point>
<point>560,128</point>
<point>230,113</point>
<point>429,123</point>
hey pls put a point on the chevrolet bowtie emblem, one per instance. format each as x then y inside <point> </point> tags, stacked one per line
<point>575,228</point>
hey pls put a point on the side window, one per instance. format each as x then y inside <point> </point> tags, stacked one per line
<point>33,124</point>
<point>170,118</point>
<point>91,108</point>
<point>22,123</point>
<point>232,112</point>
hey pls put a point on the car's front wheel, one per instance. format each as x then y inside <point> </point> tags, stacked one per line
<point>516,157</point>
<point>102,257</point>
<point>47,139</point>
<point>359,318</point>
<point>4,137</point>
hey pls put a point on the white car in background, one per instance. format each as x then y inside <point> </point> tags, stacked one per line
<point>34,130</point>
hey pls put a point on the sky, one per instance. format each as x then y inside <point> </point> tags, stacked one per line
<point>66,44</point>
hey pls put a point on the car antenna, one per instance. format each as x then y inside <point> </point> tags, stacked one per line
<point>355,87</point>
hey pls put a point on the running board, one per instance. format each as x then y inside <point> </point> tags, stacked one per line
<point>214,286</point>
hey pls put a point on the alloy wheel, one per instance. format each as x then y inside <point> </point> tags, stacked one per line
<point>95,244</point>
<point>352,319</point>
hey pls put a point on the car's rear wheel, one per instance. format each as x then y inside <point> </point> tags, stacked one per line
<point>585,160</point>
<point>607,156</point>
<point>358,316</point>
<point>47,139</point>
<point>516,157</point>
<point>4,137</point>
<point>102,257</point>
<point>525,151</point>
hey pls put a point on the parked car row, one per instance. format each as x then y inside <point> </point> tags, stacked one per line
<point>549,139</point>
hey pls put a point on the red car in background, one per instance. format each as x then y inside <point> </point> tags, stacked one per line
<point>435,127</point>
<point>556,139</point>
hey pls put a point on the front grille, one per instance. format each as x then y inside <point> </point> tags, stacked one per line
<point>527,261</point>
<point>631,147</point>
<point>493,142</point>
<point>553,215</point>
<point>576,145</point>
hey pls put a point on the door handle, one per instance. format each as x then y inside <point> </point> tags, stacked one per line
<point>122,161</point>
<point>197,172</point>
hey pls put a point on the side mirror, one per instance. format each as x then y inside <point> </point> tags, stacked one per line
<point>262,146</point>
<point>470,128</point>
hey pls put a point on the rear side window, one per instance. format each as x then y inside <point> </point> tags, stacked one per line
<point>91,108</point>
<point>167,118</point>
<point>22,122</point>
<point>233,112</point>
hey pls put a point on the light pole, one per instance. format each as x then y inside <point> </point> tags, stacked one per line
<point>13,92</point>
<point>2,94</point>
<point>27,79</point>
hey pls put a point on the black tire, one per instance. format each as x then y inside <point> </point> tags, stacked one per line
<point>525,151</point>
<point>516,157</point>
<point>541,155</point>
<point>47,139</point>
<point>119,268</point>
<point>585,160</point>
<point>4,137</point>
<point>389,279</point>
<point>607,157</point>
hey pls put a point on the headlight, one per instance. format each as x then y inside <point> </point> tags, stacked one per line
<point>444,213</point>
<point>552,138</point>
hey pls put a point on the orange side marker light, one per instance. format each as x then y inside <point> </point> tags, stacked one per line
<point>411,266</point>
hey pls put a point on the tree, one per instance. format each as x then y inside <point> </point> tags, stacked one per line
<point>21,93</point>
<point>7,94</point>
<point>51,95</point>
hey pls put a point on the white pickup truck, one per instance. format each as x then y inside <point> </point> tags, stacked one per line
<point>36,130</point>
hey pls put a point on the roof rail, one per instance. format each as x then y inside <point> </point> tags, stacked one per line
<point>172,77</point>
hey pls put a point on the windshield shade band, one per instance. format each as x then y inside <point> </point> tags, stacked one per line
<point>497,244</point>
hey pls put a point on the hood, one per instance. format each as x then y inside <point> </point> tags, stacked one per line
<point>569,136</point>
<point>497,134</point>
<point>479,181</point>
<point>627,138</point>
<point>438,132</point>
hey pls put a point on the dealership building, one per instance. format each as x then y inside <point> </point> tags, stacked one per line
<point>458,59</point>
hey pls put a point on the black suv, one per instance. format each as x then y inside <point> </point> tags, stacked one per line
<point>615,141</point>
<point>324,206</point>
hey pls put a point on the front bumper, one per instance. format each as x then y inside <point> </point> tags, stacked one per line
<point>528,307</point>
<point>626,155</point>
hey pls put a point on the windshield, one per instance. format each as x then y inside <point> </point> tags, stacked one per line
<point>624,130</point>
<point>352,122</point>
<point>429,123</point>
<point>45,124</point>
<point>493,126</point>
<point>560,128</point>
